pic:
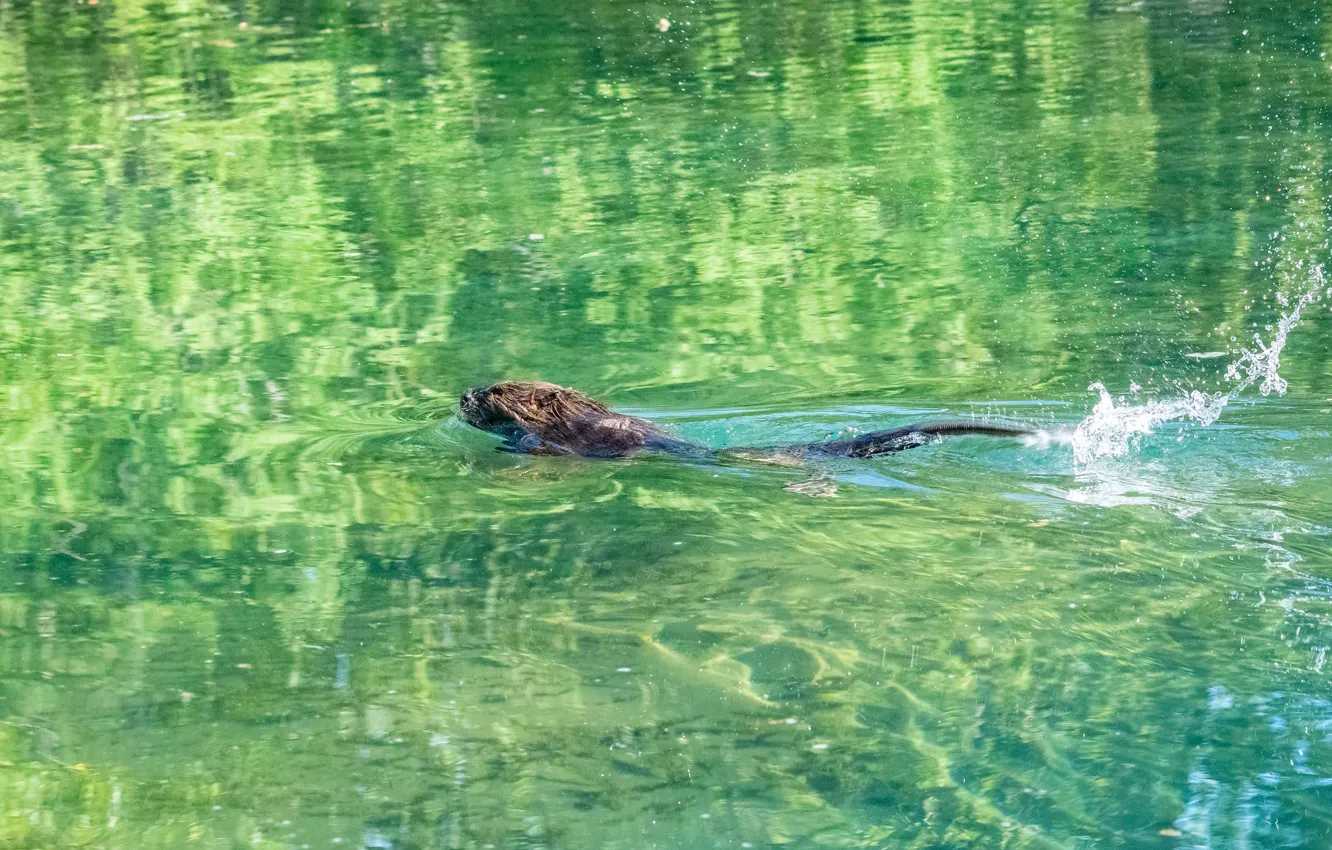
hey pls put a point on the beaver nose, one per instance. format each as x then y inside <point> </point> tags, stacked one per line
<point>468,398</point>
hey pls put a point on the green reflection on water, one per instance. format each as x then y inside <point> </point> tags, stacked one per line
<point>258,588</point>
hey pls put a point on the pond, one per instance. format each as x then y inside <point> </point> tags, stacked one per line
<point>261,587</point>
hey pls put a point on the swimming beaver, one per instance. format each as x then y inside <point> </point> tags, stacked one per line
<point>544,419</point>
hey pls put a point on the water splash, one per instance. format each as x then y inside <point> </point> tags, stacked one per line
<point>1111,431</point>
<point>1264,361</point>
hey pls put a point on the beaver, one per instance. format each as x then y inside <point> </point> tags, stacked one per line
<point>534,417</point>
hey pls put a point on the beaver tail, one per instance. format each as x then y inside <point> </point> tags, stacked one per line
<point>909,437</point>
<point>876,443</point>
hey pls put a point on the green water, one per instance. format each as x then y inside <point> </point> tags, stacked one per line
<point>260,588</point>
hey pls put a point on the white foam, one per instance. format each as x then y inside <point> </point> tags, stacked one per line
<point>1110,431</point>
<point>1042,439</point>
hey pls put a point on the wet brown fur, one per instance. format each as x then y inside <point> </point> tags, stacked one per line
<point>535,417</point>
<point>545,419</point>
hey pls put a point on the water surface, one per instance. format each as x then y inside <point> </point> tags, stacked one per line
<point>259,587</point>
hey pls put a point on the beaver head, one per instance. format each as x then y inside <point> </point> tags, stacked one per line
<point>529,406</point>
<point>541,418</point>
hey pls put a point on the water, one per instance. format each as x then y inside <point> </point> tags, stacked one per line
<point>260,587</point>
